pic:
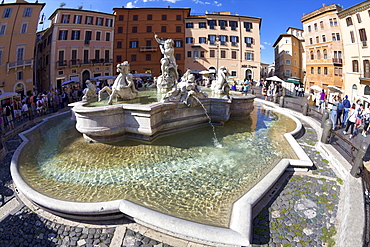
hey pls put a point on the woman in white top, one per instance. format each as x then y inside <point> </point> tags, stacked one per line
<point>351,120</point>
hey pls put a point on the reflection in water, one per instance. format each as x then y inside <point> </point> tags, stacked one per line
<point>181,174</point>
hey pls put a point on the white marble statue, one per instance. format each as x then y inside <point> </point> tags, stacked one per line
<point>220,85</point>
<point>168,79</point>
<point>184,91</point>
<point>123,86</point>
<point>89,92</point>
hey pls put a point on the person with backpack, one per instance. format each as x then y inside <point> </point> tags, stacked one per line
<point>9,116</point>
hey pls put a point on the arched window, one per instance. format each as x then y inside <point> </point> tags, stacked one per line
<point>354,66</point>
<point>325,52</point>
<point>312,55</point>
<point>318,55</point>
<point>367,90</point>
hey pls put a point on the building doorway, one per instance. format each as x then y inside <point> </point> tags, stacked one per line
<point>85,76</point>
<point>248,75</point>
<point>19,88</point>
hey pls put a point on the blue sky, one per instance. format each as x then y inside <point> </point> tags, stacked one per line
<point>276,16</point>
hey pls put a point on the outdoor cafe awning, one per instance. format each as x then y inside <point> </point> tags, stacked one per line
<point>102,78</point>
<point>294,80</point>
<point>67,82</point>
<point>274,78</point>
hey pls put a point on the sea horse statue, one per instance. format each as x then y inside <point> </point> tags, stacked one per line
<point>123,86</point>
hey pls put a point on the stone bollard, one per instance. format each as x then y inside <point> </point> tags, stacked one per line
<point>281,102</point>
<point>305,109</point>
<point>30,114</point>
<point>326,131</point>
<point>358,163</point>
<point>275,98</point>
<point>252,91</point>
<point>325,116</point>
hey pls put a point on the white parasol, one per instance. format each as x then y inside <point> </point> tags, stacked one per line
<point>335,89</point>
<point>274,78</point>
<point>315,87</point>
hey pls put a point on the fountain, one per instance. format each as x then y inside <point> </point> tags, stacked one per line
<point>178,181</point>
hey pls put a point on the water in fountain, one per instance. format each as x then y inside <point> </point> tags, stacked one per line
<point>183,174</point>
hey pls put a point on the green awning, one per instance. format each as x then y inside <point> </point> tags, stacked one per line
<point>293,81</point>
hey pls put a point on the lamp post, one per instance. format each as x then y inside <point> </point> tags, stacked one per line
<point>218,51</point>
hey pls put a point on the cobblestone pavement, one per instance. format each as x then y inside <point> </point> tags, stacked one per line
<point>301,213</point>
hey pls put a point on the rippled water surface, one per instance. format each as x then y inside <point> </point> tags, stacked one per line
<point>182,174</point>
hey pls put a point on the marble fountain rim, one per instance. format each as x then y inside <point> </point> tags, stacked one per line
<point>240,226</point>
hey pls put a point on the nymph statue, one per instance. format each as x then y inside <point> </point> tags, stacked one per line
<point>169,77</point>
<point>123,86</point>
<point>89,92</point>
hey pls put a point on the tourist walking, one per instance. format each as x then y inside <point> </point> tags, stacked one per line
<point>9,116</point>
<point>339,112</point>
<point>347,106</point>
<point>334,110</point>
<point>351,120</point>
<point>322,101</point>
<point>311,98</point>
<point>359,111</point>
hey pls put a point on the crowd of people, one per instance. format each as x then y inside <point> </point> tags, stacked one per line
<point>20,109</point>
<point>352,117</point>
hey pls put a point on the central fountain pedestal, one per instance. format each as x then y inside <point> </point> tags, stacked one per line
<point>146,122</point>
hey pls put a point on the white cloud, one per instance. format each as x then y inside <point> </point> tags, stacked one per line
<point>266,43</point>
<point>172,1</point>
<point>129,5</point>
<point>263,47</point>
<point>216,3</point>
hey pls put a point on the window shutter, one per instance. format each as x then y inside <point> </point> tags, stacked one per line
<point>237,39</point>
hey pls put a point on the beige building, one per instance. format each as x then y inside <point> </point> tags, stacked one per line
<point>223,39</point>
<point>77,46</point>
<point>289,54</point>
<point>323,46</point>
<point>18,25</point>
<point>355,24</point>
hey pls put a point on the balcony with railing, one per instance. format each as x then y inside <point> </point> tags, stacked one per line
<point>17,64</point>
<point>74,63</point>
<point>61,63</point>
<point>337,61</point>
<point>148,48</point>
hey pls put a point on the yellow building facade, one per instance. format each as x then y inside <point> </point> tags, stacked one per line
<point>18,25</point>
<point>324,48</point>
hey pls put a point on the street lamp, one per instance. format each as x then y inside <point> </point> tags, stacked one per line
<point>218,51</point>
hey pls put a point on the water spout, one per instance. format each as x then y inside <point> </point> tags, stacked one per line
<point>216,143</point>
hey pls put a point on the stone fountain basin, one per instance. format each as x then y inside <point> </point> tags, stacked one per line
<point>146,122</point>
<point>238,233</point>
